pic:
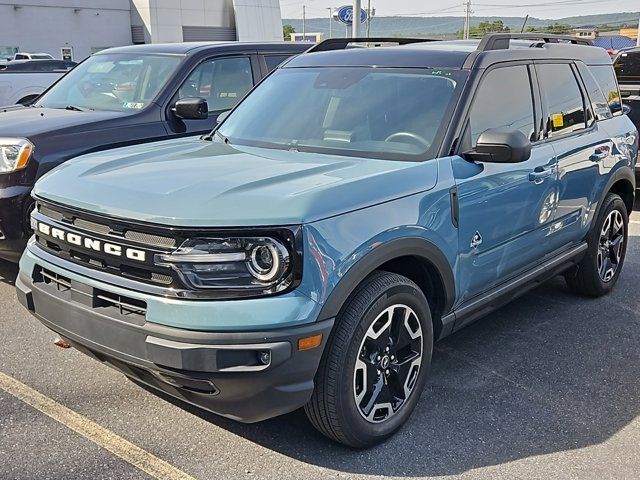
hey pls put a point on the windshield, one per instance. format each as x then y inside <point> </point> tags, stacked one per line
<point>41,57</point>
<point>387,113</point>
<point>114,82</point>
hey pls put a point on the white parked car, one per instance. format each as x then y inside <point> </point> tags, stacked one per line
<point>32,56</point>
<point>22,81</point>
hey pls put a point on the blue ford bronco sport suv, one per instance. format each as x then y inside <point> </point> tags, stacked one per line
<point>356,206</point>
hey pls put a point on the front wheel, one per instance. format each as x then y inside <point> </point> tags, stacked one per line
<point>375,364</point>
<point>600,268</point>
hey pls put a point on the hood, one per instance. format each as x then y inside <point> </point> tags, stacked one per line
<point>19,121</point>
<point>198,183</point>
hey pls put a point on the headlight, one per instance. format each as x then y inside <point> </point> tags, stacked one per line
<point>236,266</point>
<point>14,154</point>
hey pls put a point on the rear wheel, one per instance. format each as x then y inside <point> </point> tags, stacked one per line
<point>600,268</point>
<point>375,364</point>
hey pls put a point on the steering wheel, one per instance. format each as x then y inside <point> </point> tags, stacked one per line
<point>411,136</point>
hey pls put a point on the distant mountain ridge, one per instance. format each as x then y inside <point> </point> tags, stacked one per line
<point>444,26</point>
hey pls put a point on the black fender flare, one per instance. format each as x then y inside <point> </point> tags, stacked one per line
<point>623,173</point>
<point>400,247</point>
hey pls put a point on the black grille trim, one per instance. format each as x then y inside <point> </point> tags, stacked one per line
<point>61,283</point>
<point>117,305</point>
<point>124,305</point>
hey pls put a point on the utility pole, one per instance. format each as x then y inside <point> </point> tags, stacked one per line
<point>638,40</point>
<point>330,21</point>
<point>355,24</point>
<point>368,18</point>
<point>467,20</point>
<point>304,23</point>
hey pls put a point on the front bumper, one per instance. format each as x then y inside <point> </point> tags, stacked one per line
<point>222,372</point>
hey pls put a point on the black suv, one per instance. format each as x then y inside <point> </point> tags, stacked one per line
<point>119,97</point>
<point>627,67</point>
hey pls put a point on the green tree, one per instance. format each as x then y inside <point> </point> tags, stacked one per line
<point>287,30</point>
<point>477,31</point>
<point>555,28</point>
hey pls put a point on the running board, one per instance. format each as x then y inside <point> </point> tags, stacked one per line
<point>478,307</point>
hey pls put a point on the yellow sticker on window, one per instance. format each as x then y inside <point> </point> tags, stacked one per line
<point>558,120</point>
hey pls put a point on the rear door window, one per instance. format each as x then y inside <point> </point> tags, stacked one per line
<point>597,99</point>
<point>503,100</point>
<point>562,99</point>
<point>606,78</point>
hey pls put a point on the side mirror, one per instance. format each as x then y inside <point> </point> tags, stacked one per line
<point>223,116</point>
<point>626,109</point>
<point>191,109</point>
<point>501,146</point>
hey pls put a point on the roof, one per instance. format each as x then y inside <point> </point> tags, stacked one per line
<point>186,48</point>
<point>614,42</point>
<point>448,54</point>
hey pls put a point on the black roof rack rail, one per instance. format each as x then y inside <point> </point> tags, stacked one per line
<point>342,43</point>
<point>500,41</point>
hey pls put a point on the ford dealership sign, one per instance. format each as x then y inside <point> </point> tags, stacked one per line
<point>345,15</point>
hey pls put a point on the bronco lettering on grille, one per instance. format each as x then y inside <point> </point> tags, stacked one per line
<point>92,243</point>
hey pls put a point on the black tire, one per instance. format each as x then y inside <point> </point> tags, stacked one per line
<point>333,408</point>
<point>588,279</point>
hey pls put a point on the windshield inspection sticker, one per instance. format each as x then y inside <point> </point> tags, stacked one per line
<point>133,105</point>
<point>558,120</point>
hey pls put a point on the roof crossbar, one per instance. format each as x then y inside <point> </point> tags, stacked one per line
<point>343,43</point>
<point>500,41</point>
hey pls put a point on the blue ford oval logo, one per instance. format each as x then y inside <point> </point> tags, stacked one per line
<point>345,15</point>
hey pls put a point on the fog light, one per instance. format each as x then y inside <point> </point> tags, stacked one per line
<point>265,358</point>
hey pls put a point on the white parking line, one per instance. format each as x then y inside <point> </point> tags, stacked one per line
<point>106,439</point>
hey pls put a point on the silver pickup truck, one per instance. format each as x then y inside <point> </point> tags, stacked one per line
<point>22,81</point>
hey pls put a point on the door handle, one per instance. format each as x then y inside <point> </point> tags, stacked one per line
<point>539,175</point>
<point>600,153</point>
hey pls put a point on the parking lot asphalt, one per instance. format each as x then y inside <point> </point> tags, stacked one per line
<point>546,387</point>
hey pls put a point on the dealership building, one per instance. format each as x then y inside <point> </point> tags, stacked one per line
<point>77,28</point>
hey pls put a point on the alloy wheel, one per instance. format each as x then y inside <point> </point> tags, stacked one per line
<point>610,245</point>
<point>388,363</point>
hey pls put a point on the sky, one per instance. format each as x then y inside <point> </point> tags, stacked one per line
<point>515,8</point>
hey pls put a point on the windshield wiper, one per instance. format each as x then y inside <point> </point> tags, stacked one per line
<point>75,109</point>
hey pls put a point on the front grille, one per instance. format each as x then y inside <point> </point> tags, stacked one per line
<point>124,305</point>
<point>150,239</point>
<point>47,212</point>
<point>62,284</point>
<point>108,302</point>
<point>126,237</point>
<point>91,226</point>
